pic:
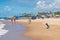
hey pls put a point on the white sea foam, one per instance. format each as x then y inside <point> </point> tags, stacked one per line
<point>2,31</point>
<point>2,25</point>
<point>2,19</point>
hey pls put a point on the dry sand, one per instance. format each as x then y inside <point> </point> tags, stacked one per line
<point>38,30</point>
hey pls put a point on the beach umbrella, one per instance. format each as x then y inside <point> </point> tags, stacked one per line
<point>18,17</point>
<point>33,17</point>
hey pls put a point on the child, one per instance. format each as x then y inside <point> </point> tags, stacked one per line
<point>48,26</point>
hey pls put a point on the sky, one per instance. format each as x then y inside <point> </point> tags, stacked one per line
<point>18,7</point>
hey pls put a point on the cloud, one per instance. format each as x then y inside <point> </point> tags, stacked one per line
<point>7,8</point>
<point>57,3</point>
<point>43,5</point>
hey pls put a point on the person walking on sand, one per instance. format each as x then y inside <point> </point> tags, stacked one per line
<point>29,20</point>
<point>48,26</point>
<point>13,20</point>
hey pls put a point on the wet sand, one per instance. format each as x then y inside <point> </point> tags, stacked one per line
<point>38,30</point>
<point>15,32</point>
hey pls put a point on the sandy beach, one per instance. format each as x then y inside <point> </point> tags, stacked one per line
<point>29,19</point>
<point>38,30</point>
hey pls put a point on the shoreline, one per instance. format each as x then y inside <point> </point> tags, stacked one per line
<point>38,30</point>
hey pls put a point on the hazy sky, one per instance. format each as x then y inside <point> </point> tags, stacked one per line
<point>16,7</point>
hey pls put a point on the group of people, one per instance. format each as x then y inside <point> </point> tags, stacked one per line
<point>48,26</point>
<point>13,19</point>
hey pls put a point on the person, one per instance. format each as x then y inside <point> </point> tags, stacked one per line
<point>48,26</point>
<point>13,20</point>
<point>29,20</point>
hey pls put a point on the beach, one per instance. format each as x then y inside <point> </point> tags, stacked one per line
<point>38,30</point>
<point>9,31</point>
<point>29,19</point>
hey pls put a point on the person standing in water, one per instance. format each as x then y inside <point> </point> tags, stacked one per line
<point>13,20</point>
<point>48,26</point>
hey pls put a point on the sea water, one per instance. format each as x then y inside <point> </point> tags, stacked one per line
<point>15,32</point>
<point>2,31</point>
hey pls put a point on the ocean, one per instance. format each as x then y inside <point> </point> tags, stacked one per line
<point>2,31</point>
<point>13,31</point>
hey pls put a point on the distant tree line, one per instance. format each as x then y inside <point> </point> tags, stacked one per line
<point>41,13</point>
<point>57,13</point>
<point>38,14</point>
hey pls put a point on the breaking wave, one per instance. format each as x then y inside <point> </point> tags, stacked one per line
<point>2,31</point>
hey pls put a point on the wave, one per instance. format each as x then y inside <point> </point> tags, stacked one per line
<point>2,31</point>
<point>2,25</point>
<point>2,19</point>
